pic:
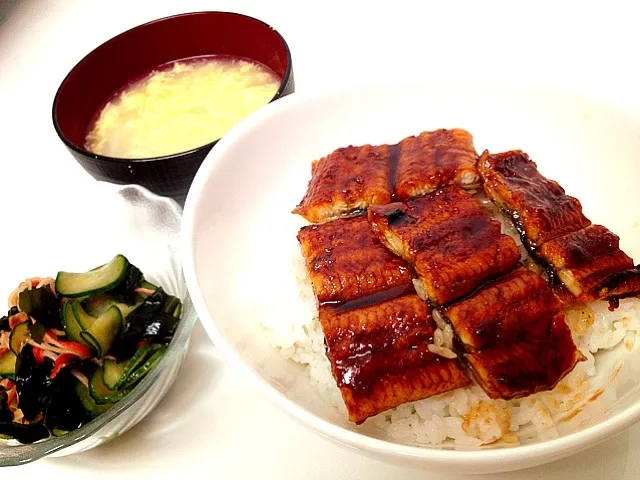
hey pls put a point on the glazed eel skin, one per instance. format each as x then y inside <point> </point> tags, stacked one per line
<point>345,260</point>
<point>378,349</point>
<point>508,322</point>
<point>452,244</point>
<point>509,326</point>
<point>514,335</point>
<point>377,330</point>
<point>356,177</point>
<point>586,258</point>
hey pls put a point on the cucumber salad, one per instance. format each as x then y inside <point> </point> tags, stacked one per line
<point>72,347</point>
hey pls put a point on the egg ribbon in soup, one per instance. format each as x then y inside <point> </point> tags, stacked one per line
<point>183,106</point>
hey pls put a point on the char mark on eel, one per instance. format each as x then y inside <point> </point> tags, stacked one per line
<point>451,243</point>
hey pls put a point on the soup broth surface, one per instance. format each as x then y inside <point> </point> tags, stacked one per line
<point>180,106</point>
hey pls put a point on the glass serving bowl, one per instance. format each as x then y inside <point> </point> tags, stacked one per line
<point>98,221</point>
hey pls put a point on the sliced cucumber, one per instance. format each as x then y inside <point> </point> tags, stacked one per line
<point>90,405</point>
<point>19,336</point>
<point>135,361</point>
<point>99,391</point>
<point>104,331</point>
<point>96,306</point>
<point>127,309</point>
<point>96,281</point>
<point>99,333</point>
<point>8,364</point>
<point>146,367</point>
<point>112,373</point>
<point>148,285</point>
<point>69,323</point>
<point>83,318</point>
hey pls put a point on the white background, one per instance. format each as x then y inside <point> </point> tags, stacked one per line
<point>212,421</point>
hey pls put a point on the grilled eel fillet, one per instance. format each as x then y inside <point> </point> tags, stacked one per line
<point>435,159</point>
<point>540,208</point>
<point>452,244</point>
<point>346,180</point>
<point>379,354</point>
<point>586,258</point>
<point>354,178</point>
<point>591,265</point>
<point>346,261</point>
<point>515,336</point>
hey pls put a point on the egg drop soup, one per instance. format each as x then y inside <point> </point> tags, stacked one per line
<point>180,106</point>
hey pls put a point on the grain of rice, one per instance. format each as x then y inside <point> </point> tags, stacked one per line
<point>439,319</point>
<point>460,403</point>
<point>447,337</point>
<point>438,338</point>
<point>420,290</point>
<point>441,351</point>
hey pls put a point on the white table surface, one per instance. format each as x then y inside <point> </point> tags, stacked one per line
<point>213,421</point>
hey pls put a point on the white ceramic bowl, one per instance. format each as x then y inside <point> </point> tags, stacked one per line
<point>239,234</point>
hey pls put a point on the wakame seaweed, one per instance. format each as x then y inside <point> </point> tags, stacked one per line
<point>5,413</point>
<point>32,383</point>
<point>24,433</point>
<point>65,411</point>
<point>41,304</point>
<point>147,321</point>
<point>126,290</point>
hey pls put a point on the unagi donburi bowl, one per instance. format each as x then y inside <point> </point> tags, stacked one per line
<point>241,253</point>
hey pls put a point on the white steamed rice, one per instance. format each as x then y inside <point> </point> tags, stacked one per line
<point>466,417</point>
